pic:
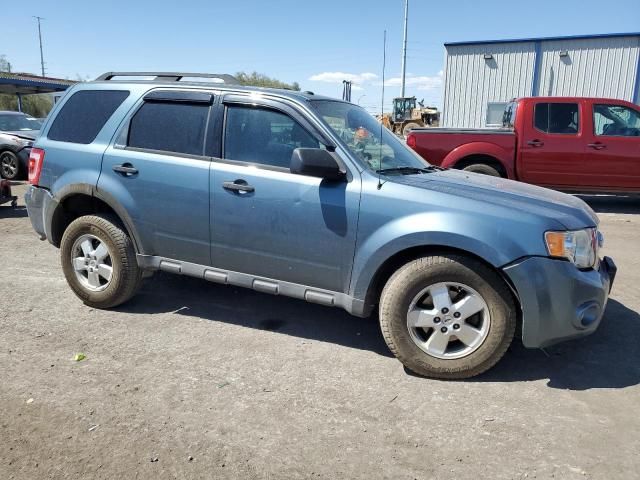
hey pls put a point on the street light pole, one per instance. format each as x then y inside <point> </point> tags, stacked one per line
<point>40,38</point>
<point>404,46</point>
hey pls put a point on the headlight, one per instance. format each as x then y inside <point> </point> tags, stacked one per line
<point>578,246</point>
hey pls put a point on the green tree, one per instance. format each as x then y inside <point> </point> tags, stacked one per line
<point>5,66</point>
<point>256,79</point>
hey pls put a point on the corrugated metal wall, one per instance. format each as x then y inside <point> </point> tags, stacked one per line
<point>603,67</point>
<point>471,81</point>
<point>594,67</point>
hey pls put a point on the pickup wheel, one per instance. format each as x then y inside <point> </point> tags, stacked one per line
<point>99,261</point>
<point>448,317</point>
<point>482,168</point>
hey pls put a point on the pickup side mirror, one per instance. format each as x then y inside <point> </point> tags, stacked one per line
<point>315,162</point>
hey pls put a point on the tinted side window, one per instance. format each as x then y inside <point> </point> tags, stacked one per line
<point>557,118</point>
<point>170,127</point>
<point>84,115</point>
<point>263,136</point>
<point>616,120</point>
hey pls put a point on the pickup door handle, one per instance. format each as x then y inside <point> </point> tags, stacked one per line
<point>125,169</point>
<point>535,143</point>
<point>597,146</point>
<point>238,186</point>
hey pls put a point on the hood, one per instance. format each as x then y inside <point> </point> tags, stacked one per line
<point>26,134</point>
<point>568,210</point>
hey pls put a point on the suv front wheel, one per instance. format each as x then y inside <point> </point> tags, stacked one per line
<point>447,316</point>
<point>99,261</point>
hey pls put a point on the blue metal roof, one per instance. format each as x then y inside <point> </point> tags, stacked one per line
<point>541,39</point>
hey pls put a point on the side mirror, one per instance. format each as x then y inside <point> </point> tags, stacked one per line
<point>315,162</point>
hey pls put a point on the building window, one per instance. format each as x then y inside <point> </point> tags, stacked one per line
<point>495,112</point>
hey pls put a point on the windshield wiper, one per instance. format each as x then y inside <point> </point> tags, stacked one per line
<point>408,170</point>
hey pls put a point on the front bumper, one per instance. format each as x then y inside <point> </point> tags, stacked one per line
<point>560,302</point>
<point>39,206</point>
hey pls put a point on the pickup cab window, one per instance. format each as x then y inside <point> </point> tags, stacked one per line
<point>557,118</point>
<point>616,121</point>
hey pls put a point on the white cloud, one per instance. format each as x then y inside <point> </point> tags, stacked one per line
<point>418,82</point>
<point>338,77</point>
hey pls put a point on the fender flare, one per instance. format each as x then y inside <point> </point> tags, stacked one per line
<point>486,149</point>
<point>91,191</point>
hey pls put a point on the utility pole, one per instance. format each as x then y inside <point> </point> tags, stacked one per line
<point>40,37</point>
<point>404,46</point>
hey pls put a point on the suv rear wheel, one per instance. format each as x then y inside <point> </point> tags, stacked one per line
<point>99,261</point>
<point>447,316</point>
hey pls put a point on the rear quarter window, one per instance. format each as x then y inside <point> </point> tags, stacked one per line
<point>84,114</point>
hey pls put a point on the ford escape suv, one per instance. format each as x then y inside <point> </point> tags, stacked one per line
<point>299,195</point>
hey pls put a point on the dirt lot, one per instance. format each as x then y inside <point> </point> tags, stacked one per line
<point>193,380</point>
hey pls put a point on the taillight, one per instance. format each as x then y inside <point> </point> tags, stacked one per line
<point>36,157</point>
<point>411,140</point>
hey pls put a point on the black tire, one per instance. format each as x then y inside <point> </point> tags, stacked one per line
<point>126,276</point>
<point>10,167</point>
<point>411,279</point>
<point>482,168</point>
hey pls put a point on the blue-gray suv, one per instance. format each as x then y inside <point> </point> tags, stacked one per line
<point>295,194</point>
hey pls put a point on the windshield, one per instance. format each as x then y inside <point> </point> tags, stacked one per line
<point>18,123</point>
<point>375,146</point>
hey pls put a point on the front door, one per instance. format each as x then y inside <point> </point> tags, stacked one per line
<point>158,171</point>
<point>551,146</point>
<point>268,222</point>
<point>613,147</point>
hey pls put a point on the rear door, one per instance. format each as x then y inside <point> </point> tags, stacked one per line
<point>158,171</point>
<point>613,146</point>
<point>552,144</point>
<point>267,221</point>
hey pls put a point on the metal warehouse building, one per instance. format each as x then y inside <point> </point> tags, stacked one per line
<point>480,77</point>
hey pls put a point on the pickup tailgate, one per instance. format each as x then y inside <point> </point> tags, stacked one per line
<point>435,144</point>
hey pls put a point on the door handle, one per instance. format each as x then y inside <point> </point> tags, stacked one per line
<point>597,146</point>
<point>238,186</point>
<point>125,169</point>
<point>535,143</point>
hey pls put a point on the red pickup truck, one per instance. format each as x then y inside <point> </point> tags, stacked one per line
<point>566,143</point>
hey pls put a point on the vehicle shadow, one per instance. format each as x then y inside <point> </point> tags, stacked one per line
<point>165,293</point>
<point>6,211</point>
<point>610,358</point>
<point>606,359</point>
<point>612,203</point>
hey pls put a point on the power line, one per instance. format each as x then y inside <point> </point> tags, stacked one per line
<point>40,38</point>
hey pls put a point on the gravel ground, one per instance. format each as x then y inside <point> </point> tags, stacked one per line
<point>194,380</point>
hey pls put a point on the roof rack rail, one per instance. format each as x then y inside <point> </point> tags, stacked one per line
<point>174,77</point>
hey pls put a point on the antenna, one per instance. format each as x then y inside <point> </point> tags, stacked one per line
<point>40,37</point>
<point>384,65</point>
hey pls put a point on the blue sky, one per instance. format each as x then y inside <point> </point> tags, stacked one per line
<point>317,43</point>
